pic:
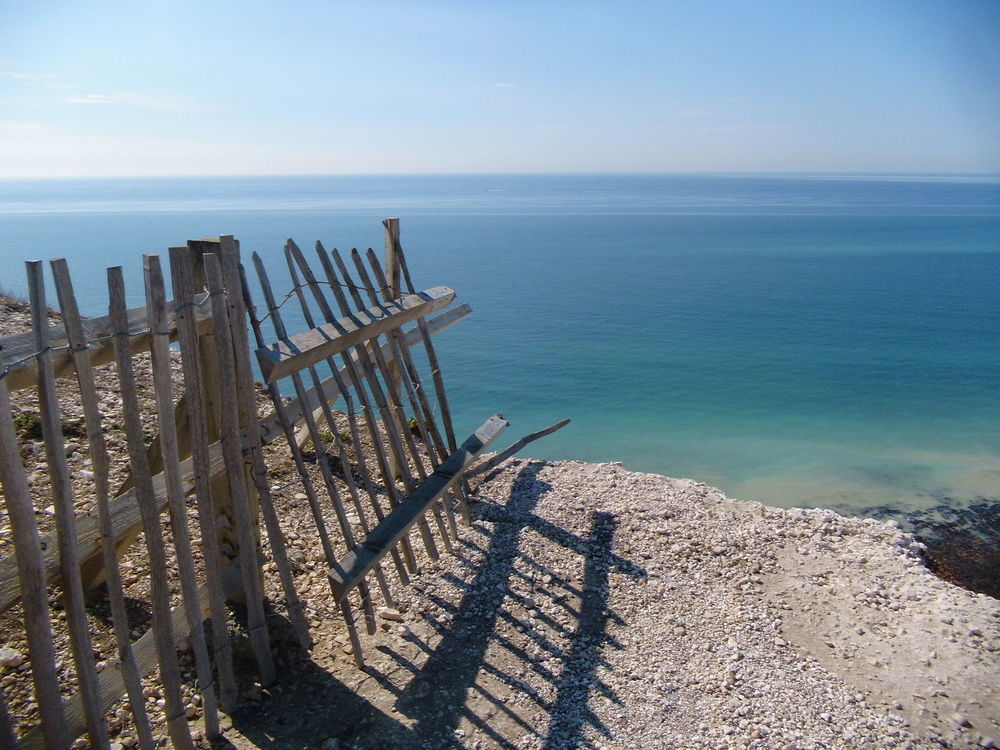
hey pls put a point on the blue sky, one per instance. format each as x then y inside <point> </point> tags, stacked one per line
<point>220,87</point>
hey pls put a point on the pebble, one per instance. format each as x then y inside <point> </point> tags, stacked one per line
<point>10,658</point>
<point>390,613</point>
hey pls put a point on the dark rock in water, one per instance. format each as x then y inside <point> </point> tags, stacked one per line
<point>962,540</point>
<point>963,544</point>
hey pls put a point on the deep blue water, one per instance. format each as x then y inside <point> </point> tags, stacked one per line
<point>797,339</point>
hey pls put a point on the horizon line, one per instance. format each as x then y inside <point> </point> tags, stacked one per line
<point>564,173</point>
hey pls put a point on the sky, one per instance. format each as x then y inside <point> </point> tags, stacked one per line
<point>172,87</point>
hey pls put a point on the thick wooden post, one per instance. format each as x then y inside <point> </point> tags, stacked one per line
<point>393,277</point>
<point>212,395</point>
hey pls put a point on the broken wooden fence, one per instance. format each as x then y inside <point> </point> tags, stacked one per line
<point>209,457</point>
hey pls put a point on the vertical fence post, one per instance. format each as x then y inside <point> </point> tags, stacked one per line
<point>212,395</point>
<point>31,569</point>
<point>393,379</point>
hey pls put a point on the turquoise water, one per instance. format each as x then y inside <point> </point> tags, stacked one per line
<point>800,340</point>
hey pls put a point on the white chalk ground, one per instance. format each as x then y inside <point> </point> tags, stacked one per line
<point>759,626</point>
<point>590,606</point>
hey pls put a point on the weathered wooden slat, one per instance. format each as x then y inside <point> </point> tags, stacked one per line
<point>17,350</point>
<point>232,453</point>
<point>293,354</point>
<point>233,278</point>
<point>509,451</point>
<point>124,512</point>
<point>100,462</point>
<point>392,290</point>
<point>353,566</point>
<point>149,509</point>
<point>432,358</point>
<point>30,570</point>
<point>182,278</point>
<point>81,645</point>
<point>156,301</point>
<point>111,686</point>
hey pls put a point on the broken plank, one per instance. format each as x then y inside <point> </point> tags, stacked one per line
<point>506,453</point>
<point>355,564</point>
<point>298,352</point>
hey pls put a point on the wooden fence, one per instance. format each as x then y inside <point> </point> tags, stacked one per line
<point>186,422</point>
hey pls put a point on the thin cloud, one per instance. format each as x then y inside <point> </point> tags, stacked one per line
<point>502,85</point>
<point>90,99</point>
<point>29,77</point>
<point>159,102</point>
<point>553,128</point>
<point>749,127</point>
<point>695,112</point>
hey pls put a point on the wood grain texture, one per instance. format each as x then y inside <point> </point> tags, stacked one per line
<point>232,450</point>
<point>149,508</point>
<point>352,567</point>
<point>17,351</point>
<point>300,351</point>
<point>182,277</point>
<point>100,462</point>
<point>29,567</point>
<point>81,645</point>
<point>156,304</point>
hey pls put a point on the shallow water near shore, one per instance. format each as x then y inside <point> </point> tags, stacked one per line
<point>799,340</point>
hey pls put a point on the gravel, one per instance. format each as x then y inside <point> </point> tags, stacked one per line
<point>593,606</point>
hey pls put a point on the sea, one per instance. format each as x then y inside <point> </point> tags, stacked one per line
<point>802,340</point>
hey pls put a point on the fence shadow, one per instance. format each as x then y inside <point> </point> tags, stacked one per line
<point>309,704</point>
<point>306,705</point>
<point>435,699</point>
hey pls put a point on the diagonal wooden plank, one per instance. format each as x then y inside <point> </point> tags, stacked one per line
<point>309,348</point>
<point>355,564</point>
<point>270,426</point>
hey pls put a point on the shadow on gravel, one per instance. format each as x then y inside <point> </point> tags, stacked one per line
<point>308,703</point>
<point>451,670</point>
